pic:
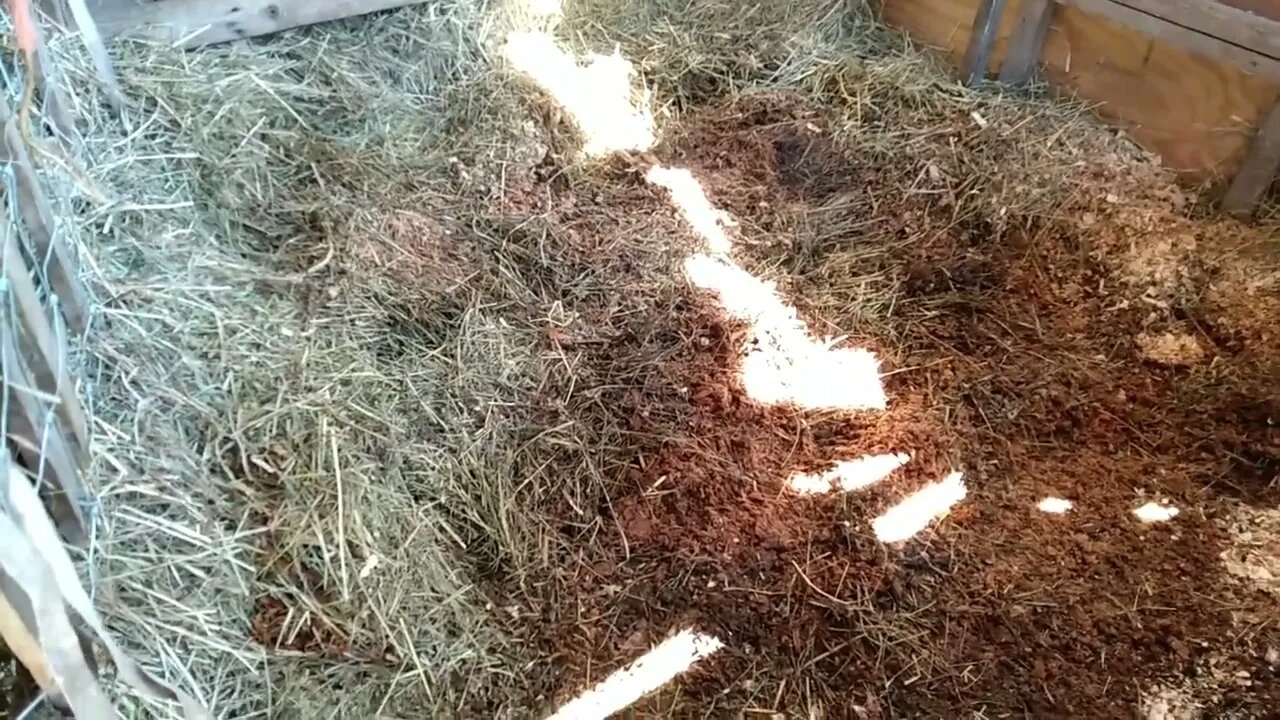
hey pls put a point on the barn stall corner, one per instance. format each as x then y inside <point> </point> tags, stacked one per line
<point>581,358</point>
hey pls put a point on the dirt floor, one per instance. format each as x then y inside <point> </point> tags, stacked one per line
<point>1019,353</point>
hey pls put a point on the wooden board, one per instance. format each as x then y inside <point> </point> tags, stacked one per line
<point>1258,172</point>
<point>1263,8</point>
<point>1170,33</point>
<point>1240,27</point>
<point>1198,114</point>
<point>204,22</point>
<point>42,446</point>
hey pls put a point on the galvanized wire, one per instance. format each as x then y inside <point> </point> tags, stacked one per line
<point>38,268</point>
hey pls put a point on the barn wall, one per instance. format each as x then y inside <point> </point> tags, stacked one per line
<point>1198,114</point>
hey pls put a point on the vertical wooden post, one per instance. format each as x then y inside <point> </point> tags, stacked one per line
<point>1027,43</point>
<point>1259,168</point>
<point>985,24</point>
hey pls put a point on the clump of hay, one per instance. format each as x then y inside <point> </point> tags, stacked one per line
<point>280,453</point>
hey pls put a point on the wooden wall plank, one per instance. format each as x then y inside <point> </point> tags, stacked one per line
<point>205,22</point>
<point>19,631</point>
<point>1198,114</point>
<point>1177,35</point>
<point>1269,9</point>
<point>1259,169</point>
<point>1246,29</point>
<point>55,107</point>
<point>1027,43</point>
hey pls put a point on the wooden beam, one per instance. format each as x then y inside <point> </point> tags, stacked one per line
<point>18,630</point>
<point>1238,27</point>
<point>205,22</point>
<point>54,106</point>
<point>1259,169</point>
<point>985,24</point>
<point>1196,42</point>
<point>1027,43</point>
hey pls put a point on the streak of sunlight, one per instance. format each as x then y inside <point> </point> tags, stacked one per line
<point>1156,512</point>
<point>648,673</point>
<point>784,364</point>
<point>849,475</point>
<point>597,94</point>
<point>1054,505</point>
<point>917,510</point>
<point>687,194</point>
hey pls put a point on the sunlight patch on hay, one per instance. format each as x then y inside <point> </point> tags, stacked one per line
<point>849,475</point>
<point>683,45</point>
<point>688,195</point>
<point>913,514</point>
<point>1154,512</point>
<point>1054,505</point>
<point>648,673</point>
<point>783,363</point>
<point>597,94</point>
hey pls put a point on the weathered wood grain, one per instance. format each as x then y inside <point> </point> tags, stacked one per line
<point>205,22</point>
